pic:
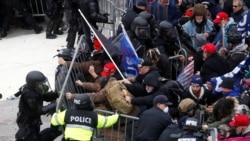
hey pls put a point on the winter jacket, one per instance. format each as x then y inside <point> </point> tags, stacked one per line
<point>161,13</point>
<point>137,88</point>
<point>152,123</point>
<point>191,29</point>
<point>213,66</point>
<point>205,98</point>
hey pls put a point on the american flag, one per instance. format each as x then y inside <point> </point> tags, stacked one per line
<point>184,78</point>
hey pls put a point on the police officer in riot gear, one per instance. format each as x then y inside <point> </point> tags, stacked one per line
<point>131,13</point>
<point>32,95</point>
<point>22,6</point>
<point>55,14</point>
<point>150,19</point>
<point>167,39</point>
<point>91,11</point>
<point>81,121</point>
<point>139,35</point>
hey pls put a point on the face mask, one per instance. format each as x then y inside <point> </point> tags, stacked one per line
<point>149,90</point>
<point>42,88</point>
<point>198,21</point>
<point>165,110</point>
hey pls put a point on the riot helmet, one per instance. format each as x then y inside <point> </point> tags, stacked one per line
<point>167,30</point>
<point>83,101</point>
<point>141,28</point>
<point>34,78</point>
<point>191,124</point>
<point>147,15</point>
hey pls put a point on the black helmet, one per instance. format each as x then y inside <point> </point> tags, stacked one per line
<point>234,36</point>
<point>34,78</point>
<point>165,26</point>
<point>146,15</point>
<point>83,101</point>
<point>167,30</point>
<point>191,124</point>
<point>141,28</point>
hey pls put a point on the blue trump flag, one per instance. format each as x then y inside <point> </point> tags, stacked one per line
<point>129,57</point>
<point>238,73</point>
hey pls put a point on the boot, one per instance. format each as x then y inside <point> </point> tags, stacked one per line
<point>56,25</point>
<point>50,36</point>
<point>58,32</point>
<point>3,33</point>
<point>38,29</point>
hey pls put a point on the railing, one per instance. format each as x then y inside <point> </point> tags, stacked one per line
<point>38,7</point>
<point>124,130</point>
<point>121,131</point>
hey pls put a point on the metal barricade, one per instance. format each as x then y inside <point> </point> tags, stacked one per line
<point>123,130</point>
<point>176,65</point>
<point>116,9</point>
<point>38,7</point>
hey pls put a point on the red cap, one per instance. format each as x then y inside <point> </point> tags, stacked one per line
<point>209,48</point>
<point>220,16</point>
<point>239,120</point>
<point>108,69</point>
<point>188,12</point>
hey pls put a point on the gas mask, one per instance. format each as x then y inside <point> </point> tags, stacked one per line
<point>142,32</point>
<point>42,88</point>
<point>169,34</point>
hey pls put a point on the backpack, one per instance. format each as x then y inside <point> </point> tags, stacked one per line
<point>116,99</point>
<point>173,90</point>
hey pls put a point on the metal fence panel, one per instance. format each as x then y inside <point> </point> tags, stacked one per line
<point>123,130</point>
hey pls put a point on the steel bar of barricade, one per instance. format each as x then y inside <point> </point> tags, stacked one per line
<point>115,9</point>
<point>213,133</point>
<point>118,132</point>
<point>66,84</point>
<point>38,7</point>
<point>176,65</point>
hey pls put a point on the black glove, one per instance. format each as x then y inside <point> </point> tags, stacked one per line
<point>49,109</point>
<point>106,14</point>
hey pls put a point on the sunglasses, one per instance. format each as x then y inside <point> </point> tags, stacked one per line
<point>235,6</point>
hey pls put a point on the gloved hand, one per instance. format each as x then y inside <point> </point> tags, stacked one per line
<point>106,14</point>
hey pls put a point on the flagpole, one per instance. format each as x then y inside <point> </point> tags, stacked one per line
<point>101,43</point>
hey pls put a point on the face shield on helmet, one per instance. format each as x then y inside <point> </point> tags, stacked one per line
<point>44,87</point>
<point>37,81</point>
<point>169,34</point>
<point>167,31</point>
<point>142,32</point>
<point>141,28</point>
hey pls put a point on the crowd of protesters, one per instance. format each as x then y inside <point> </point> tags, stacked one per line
<point>216,35</point>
